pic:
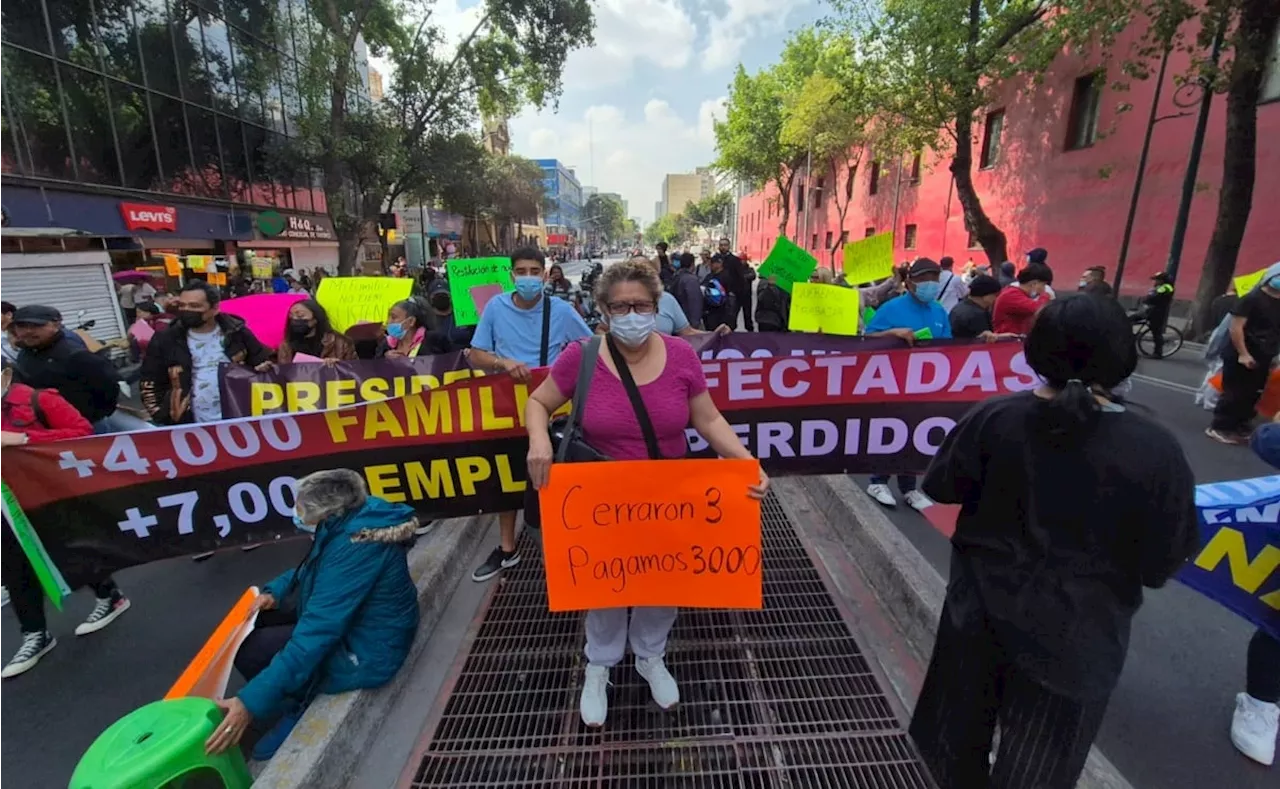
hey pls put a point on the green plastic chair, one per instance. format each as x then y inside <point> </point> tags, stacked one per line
<point>161,745</point>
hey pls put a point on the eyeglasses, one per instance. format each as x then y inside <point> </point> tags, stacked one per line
<point>620,308</point>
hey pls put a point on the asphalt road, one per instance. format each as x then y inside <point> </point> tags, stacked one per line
<point>1166,727</point>
<point>1168,721</point>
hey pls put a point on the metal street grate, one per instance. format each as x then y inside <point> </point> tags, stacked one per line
<point>780,698</point>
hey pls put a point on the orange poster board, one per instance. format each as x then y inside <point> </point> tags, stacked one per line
<point>207,674</point>
<point>612,538</point>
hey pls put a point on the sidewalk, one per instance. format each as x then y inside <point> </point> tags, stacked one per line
<point>780,697</point>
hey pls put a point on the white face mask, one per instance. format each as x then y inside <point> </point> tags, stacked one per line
<point>633,329</point>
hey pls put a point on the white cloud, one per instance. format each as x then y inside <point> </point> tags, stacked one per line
<point>616,152</point>
<point>742,20</point>
<point>629,32</point>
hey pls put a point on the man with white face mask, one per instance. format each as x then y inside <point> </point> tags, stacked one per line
<point>517,332</point>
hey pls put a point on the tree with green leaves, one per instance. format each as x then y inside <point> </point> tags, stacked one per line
<point>749,139</point>
<point>664,229</point>
<point>936,64</point>
<point>370,155</point>
<point>603,218</point>
<point>711,211</point>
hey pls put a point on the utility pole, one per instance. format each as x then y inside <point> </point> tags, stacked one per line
<point>804,198</point>
<point>1193,163</point>
<point>1142,169</point>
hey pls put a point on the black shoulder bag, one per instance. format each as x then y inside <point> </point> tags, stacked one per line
<point>566,431</point>
<point>546,331</point>
<point>637,404</point>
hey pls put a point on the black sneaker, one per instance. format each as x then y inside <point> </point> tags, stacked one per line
<point>498,561</point>
<point>34,646</point>
<point>105,611</point>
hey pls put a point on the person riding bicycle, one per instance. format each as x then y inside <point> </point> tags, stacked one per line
<point>1155,310</point>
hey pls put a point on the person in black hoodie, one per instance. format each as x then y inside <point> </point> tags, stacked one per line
<point>773,305</point>
<point>179,376</point>
<point>720,303</point>
<point>737,276</point>
<point>665,270</point>
<point>444,335</point>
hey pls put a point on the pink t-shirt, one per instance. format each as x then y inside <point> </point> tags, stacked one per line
<point>610,425</point>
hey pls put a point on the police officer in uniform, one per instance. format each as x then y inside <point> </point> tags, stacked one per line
<point>1156,305</point>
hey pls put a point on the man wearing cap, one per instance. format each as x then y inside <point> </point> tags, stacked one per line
<point>1155,308</point>
<point>971,318</point>
<point>914,315</point>
<point>49,357</point>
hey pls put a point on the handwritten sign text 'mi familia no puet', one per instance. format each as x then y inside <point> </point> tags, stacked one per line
<point>693,544</point>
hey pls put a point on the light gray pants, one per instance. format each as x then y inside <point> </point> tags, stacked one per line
<point>607,633</point>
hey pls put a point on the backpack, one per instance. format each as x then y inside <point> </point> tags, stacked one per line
<point>36,409</point>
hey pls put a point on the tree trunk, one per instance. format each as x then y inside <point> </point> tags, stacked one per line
<point>784,184</point>
<point>1251,47</point>
<point>991,238</point>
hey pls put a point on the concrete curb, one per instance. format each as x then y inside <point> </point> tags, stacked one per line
<point>325,747</point>
<point>909,588</point>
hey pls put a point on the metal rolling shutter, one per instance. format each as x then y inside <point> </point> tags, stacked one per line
<point>67,283</point>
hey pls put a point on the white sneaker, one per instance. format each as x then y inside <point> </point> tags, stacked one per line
<point>918,501</point>
<point>34,646</point>
<point>661,684</point>
<point>594,704</point>
<point>882,494</point>
<point>1254,727</point>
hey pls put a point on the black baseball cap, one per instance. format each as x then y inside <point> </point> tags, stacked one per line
<point>36,315</point>
<point>984,285</point>
<point>923,266</point>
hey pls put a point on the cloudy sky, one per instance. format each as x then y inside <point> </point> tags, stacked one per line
<point>639,103</point>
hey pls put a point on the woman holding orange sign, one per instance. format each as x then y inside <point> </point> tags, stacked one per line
<point>640,397</point>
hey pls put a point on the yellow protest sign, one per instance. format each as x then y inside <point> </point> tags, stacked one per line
<point>829,309</point>
<point>1247,282</point>
<point>199,263</point>
<point>261,268</point>
<point>352,300</point>
<point>869,259</point>
<point>172,266</point>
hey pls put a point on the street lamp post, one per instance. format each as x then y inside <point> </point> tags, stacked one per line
<point>1193,164</point>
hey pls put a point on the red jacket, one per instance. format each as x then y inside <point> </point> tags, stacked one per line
<point>63,420</point>
<point>1015,311</point>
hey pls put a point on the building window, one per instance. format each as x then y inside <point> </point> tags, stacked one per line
<point>1271,73</point>
<point>915,169</point>
<point>873,184</point>
<point>1082,127</point>
<point>817,196</point>
<point>871,231</point>
<point>848,185</point>
<point>799,197</point>
<point>827,245</point>
<point>909,237</point>
<point>844,238</point>
<point>813,243</point>
<point>991,139</point>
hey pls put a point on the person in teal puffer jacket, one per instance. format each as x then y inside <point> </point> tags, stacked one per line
<point>343,619</point>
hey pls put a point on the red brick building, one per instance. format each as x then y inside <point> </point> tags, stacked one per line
<point>1054,165</point>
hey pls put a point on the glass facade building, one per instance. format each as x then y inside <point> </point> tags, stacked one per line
<point>184,98</point>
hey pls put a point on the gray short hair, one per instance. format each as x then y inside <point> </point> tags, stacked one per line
<point>325,494</point>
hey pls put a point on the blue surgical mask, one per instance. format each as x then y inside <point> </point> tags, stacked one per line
<point>303,526</point>
<point>396,331</point>
<point>632,329</point>
<point>529,287</point>
<point>675,264</point>
<point>928,291</point>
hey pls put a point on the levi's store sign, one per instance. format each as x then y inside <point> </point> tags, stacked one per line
<point>145,216</point>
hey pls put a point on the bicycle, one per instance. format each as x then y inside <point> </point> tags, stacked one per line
<point>1144,339</point>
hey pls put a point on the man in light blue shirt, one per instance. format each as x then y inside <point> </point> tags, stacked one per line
<point>914,315</point>
<point>517,332</point>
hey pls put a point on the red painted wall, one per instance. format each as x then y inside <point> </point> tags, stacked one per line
<point>1071,202</point>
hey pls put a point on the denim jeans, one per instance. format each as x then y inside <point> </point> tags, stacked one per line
<point>120,422</point>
